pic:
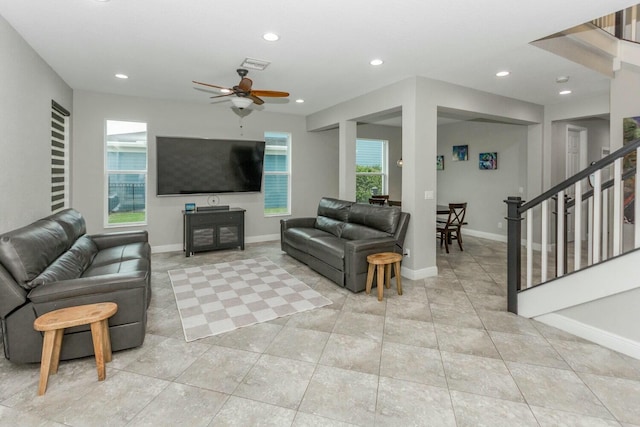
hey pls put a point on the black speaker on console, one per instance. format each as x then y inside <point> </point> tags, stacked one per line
<point>213,208</point>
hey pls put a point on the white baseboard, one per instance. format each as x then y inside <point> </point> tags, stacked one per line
<point>263,238</point>
<point>418,274</point>
<point>166,248</point>
<point>604,338</point>
<point>484,235</point>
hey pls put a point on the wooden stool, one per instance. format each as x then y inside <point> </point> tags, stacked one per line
<point>383,261</point>
<point>53,325</point>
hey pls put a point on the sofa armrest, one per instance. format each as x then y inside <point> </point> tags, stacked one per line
<point>83,286</point>
<point>117,238</point>
<point>11,294</point>
<point>297,222</point>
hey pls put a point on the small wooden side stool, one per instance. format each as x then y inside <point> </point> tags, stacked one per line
<point>53,325</point>
<point>383,262</point>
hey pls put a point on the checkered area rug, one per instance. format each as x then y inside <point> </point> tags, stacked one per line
<point>218,298</point>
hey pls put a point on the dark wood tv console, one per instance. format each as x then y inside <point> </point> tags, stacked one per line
<point>212,230</point>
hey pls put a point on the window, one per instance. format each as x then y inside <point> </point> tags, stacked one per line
<point>371,168</point>
<point>126,173</point>
<point>277,174</point>
<point>59,157</point>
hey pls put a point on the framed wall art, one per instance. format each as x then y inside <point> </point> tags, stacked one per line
<point>488,161</point>
<point>460,153</point>
<point>440,163</point>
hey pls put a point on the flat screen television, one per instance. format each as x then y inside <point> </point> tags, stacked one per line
<point>208,166</point>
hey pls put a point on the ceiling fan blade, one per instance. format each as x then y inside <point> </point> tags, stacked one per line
<point>220,96</point>
<point>210,85</point>
<point>256,100</point>
<point>245,84</point>
<point>270,93</point>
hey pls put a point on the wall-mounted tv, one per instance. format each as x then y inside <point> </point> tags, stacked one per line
<point>208,166</point>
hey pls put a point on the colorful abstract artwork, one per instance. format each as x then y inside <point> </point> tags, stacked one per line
<point>460,153</point>
<point>488,161</point>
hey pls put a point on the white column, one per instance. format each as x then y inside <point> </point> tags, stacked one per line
<point>347,163</point>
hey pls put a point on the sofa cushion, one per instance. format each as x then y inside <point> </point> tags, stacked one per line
<point>358,232</point>
<point>329,225</point>
<point>129,266</point>
<point>70,265</point>
<point>73,223</point>
<point>27,251</point>
<point>329,249</point>
<point>334,208</point>
<point>298,237</point>
<point>121,253</point>
<point>383,218</point>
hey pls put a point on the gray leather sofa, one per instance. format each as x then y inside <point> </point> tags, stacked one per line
<point>52,264</point>
<point>337,242</point>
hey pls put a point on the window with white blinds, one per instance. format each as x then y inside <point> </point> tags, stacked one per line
<point>59,157</point>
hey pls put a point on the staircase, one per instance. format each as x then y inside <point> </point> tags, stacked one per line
<point>564,280</point>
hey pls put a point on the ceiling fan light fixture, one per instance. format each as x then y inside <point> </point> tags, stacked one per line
<point>223,90</point>
<point>241,102</point>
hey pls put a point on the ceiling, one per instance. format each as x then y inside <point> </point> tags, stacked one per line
<point>324,49</point>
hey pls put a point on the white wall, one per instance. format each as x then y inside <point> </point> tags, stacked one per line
<point>314,160</point>
<point>27,86</point>
<point>483,190</point>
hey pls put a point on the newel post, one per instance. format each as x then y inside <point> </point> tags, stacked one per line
<point>514,233</point>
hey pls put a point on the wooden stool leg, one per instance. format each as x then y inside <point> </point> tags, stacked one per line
<point>47,361</point>
<point>369,279</point>
<point>98,348</point>
<point>57,345</point>
<point>396,266</point>
<point>387,275</point>
<point>107,340</point>
<point>380,273</point>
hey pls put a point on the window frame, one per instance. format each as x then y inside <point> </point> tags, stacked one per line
<point>59,157</point>
<point>108,172</point>
<point>286,173</point>
<point>384,173</point>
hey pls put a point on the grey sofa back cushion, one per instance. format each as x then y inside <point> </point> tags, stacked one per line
<point>329,225</point>
<point>70,265</point>
<point>73,223</point>
<point>383,218</point>
<point>334,208</point>
<point>357,232</point>
<point>27,251</point>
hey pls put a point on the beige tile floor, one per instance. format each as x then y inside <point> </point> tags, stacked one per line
<point>446,353</point>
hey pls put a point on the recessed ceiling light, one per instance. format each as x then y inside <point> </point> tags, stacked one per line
<point>225,90</point>
<point>503,73</point>
<point>562,79</point>
<point>271,37</point>
<point>376,62</point>
<point>102,1</point>
<point>565,92</point>
<point>122,76</point>
<point>299,101</point>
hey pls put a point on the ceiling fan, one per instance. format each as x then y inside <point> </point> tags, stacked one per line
<point>243,91</point>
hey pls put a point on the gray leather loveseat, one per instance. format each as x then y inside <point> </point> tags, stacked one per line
<point>337,242</point>
<point>52,264</point>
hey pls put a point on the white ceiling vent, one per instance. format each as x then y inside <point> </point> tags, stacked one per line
<point>255,64</point>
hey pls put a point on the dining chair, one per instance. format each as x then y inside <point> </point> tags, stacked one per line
<point>376,201</point>
<point>452,229</point>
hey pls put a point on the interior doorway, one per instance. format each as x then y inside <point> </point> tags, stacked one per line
<point>576,160</point>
